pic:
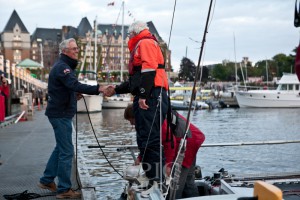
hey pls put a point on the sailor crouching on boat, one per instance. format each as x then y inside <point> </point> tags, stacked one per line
<point>187,187</point>
<point>148,83</point>
<point>63,87</point>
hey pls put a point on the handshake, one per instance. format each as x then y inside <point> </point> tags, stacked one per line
<point>107,90</point>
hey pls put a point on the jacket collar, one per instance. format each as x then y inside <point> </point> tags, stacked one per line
<point>69,61</point>
<point>142,35</point>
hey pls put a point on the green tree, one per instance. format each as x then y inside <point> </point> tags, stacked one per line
<point>205,74</point>
<point>284,63</point>
<point>187,70</point>
<point>225,71</point>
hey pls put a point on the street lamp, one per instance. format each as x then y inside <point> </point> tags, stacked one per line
<point>40,41</point>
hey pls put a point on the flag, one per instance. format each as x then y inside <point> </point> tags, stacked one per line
<point>111,4</point>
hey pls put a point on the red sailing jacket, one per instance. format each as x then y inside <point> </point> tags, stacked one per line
<point>192,146</point>
<point>147,58</point>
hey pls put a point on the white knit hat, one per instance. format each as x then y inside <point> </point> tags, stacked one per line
<point>137,27</point>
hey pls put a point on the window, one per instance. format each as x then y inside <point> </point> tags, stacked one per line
<point>283,87</point>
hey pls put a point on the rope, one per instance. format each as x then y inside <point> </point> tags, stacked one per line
<point>98,140</point>
<point>25,196</point>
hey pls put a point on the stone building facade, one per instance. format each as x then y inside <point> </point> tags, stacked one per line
<point>102,40</point>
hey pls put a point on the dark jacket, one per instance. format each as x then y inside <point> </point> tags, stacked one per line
<point>62,88</point>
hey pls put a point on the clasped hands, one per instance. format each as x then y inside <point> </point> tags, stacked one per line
<point>107,90</point>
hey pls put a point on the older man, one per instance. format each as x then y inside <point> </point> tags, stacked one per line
<point>63,87</point>
<point>149,84</point>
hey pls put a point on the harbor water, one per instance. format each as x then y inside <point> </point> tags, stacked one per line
<point>219,126</point>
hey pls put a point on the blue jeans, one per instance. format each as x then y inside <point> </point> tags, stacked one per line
<point>60,161</point>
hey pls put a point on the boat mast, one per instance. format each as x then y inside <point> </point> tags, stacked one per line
<point>235,65</point>
<point>95,47</point>
<point>267,72</point>
<point>122,45</point>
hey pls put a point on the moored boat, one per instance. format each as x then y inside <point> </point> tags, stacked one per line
<point>90,103</point>
<point>116,101</point>
<point>184,105</point>
<point>287,95</point>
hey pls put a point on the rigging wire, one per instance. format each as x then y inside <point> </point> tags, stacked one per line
<point>181,150</point>
<point>110,38</point>
<point>172,22</point>
<point>198,65</point>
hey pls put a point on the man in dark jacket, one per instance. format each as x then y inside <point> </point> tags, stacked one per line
<point>63,88</point>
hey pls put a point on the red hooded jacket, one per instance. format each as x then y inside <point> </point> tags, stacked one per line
<point>192,145</point>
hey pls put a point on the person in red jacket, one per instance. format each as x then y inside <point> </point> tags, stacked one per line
<point>4,94</point>
<point>4,87</point>
<point>148,83</point>
<point>187,187</point>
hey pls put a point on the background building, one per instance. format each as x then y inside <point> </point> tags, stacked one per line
<point>101,40</point>
<point>15,40</point>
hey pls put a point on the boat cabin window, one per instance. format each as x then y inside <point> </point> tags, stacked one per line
<point>297,87</point>
<point>283,87</point>
<point>290,87</point>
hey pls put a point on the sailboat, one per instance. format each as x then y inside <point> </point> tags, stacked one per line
<point>90,103</point>
<point>220,183</point>
<point>120,100</point>
<point>228,98</point>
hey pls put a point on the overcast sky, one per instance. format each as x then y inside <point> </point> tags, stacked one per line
<point>262,28</point>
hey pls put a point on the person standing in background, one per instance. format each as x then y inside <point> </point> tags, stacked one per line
<point>4,94</point>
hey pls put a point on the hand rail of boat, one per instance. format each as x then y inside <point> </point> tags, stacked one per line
<point>274,142</point>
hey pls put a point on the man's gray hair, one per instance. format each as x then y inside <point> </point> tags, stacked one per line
<point>137,27</point>
<point>65,44</point>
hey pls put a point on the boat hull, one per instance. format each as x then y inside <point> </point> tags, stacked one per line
<point>93,103</point>
<point>116,102</point>
<point>111,104</point>
<point>267,99</point>
<point>287,95</point>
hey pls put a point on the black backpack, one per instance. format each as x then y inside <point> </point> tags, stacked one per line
<point>176,125</point>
